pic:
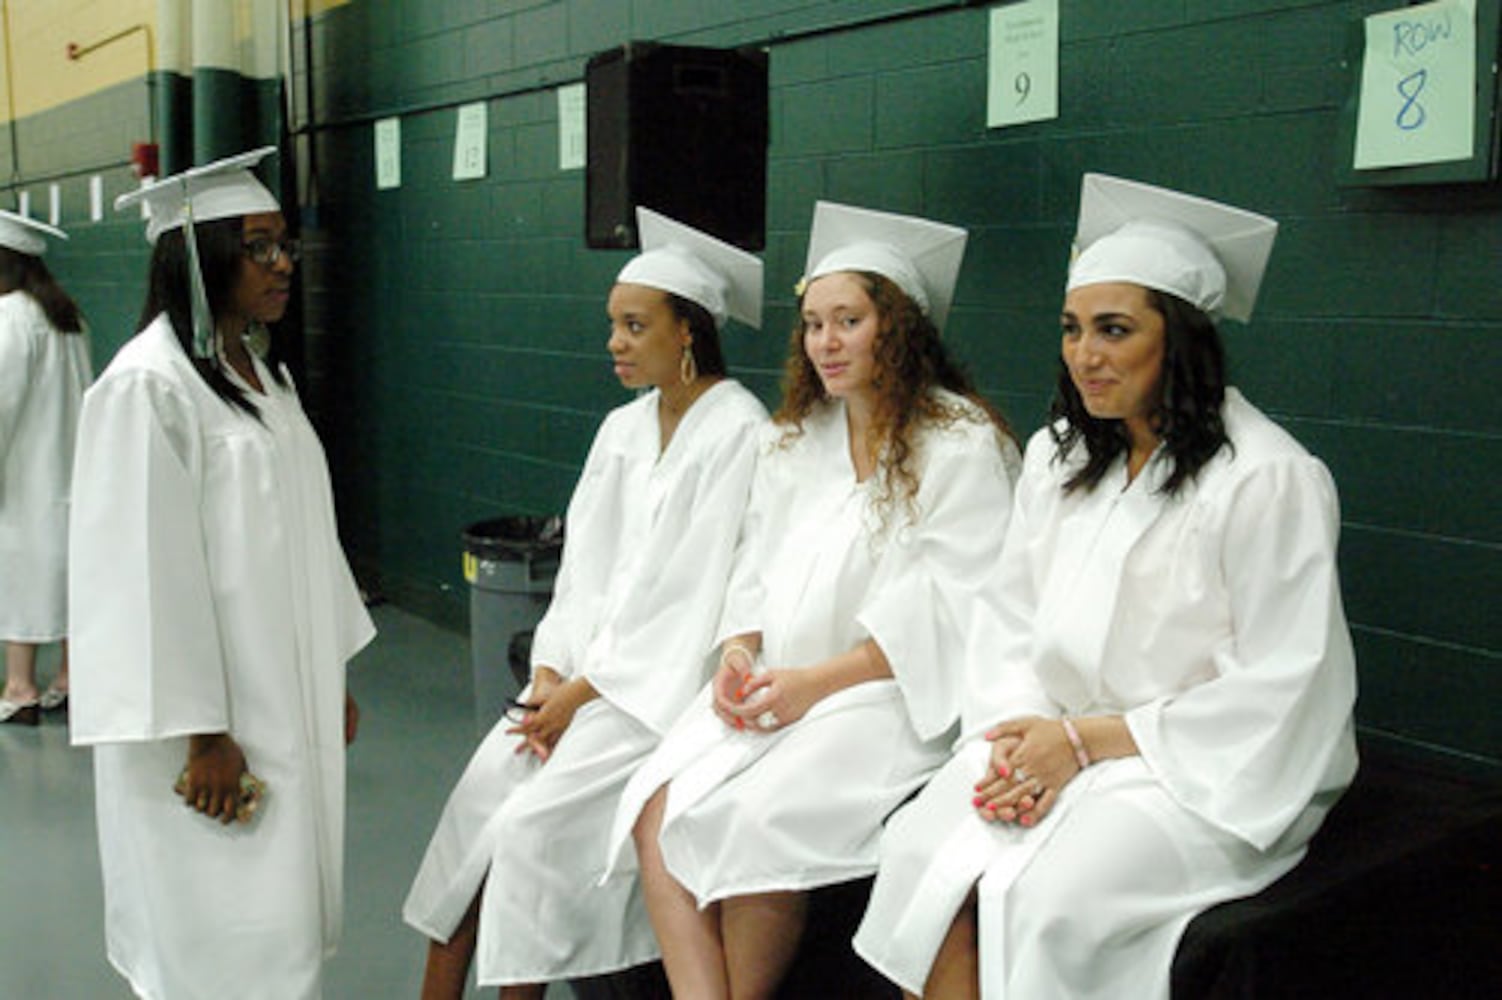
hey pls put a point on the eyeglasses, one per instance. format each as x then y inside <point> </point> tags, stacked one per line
<point>268,252</point>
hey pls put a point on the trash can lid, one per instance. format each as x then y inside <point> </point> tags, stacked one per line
<point>514,536</point>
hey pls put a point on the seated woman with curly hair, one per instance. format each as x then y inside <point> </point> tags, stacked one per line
<point>879,503</point>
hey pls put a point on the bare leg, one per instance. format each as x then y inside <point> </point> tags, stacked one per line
<point>692,952</point>
<point>761,932</point>
<point>448,963</point>
<point>20,672</point>
<point>956,970</point>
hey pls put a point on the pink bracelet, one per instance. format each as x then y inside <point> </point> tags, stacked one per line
<point>1080,753</point>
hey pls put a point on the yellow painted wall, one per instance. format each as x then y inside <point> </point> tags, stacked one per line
<point>39,74</point>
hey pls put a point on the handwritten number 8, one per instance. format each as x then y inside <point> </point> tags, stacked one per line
<point>1412,114</point>
<point>1023,84</point>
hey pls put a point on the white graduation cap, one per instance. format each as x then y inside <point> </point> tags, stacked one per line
<point>921,257</point>
<point>224,189</point>
<point>1208,254</point>
<point>724,279</point>
<point>25,235</point>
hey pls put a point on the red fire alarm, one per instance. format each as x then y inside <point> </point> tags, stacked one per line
<point>143,158</point>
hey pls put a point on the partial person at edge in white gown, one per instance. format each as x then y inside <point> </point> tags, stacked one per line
<point>44,370</point>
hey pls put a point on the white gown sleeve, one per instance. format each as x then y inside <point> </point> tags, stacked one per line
<point>670,618</point>
<point>1250,748</point>
<point>918,609</point>
<point>745,592</point>
<point>591,534</point>
<point>16,359</point>
<point>145,648</point>
<point>1001,683</point>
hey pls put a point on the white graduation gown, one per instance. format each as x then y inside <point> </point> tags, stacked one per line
<point>819,573</point>
<point>645,565</point>
<point>1213,623</point>
<point>43,375</point>
<point>209,593</point>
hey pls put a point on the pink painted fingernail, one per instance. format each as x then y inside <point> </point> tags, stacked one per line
<point>1027,820</point>
<point>1004,771</point>
<point>977,802</point>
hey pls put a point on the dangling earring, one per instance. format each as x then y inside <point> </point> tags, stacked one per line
<point>257,339</point>
<point>688,368</point>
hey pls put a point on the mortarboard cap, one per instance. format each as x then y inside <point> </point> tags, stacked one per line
<point>1208,254</point>
<point>25,235</point>
<point>224,189</point>
<point>724,279</point>
<point>921,257</point>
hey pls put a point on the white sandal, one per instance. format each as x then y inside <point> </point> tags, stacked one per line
<point>17,714</point>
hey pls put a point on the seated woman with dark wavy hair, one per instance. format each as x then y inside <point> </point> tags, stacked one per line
<point>1159,705</point>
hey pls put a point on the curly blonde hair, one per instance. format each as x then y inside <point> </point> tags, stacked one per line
<point>910,363</point>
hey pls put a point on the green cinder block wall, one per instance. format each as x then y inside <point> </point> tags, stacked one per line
<point>455,330</point>
<point>461,323</point>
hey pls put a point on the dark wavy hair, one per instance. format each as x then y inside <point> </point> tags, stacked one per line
<point>220,256</point>
<point>1186,417</point>
<point>708,357</point>
<point>21,272</point>
<point>911,362</point>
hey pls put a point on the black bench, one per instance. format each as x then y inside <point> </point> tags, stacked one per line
<point>1400,896</point>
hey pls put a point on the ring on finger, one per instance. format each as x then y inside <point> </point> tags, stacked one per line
<point>1019,775</point>
<point>768,720</point>
<point>1039,789</point>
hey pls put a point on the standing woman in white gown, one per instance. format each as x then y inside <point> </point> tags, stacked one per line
<point>512,877</point>
<point>1159,713</point>
<point>44,370</point>
<point>880,503</point>
<point>212,614</point>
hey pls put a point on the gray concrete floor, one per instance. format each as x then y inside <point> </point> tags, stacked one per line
<point>418,727</point>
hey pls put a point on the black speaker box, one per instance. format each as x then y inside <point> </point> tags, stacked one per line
<point>680,130</point>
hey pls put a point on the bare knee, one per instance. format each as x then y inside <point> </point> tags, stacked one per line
<point>644,832</point>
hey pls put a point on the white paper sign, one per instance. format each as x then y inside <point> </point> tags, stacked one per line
<point>469,142</point>
<point>388,153</point>
<point>1023,77</point>
<point>54,204</point>
<point>1418,86</point>
<point>96,198</point>
<point>571,127</point>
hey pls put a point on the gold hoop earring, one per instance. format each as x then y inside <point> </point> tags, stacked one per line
<point>688,368</point>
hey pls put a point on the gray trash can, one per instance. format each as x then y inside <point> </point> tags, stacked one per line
<point>510,564</point>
